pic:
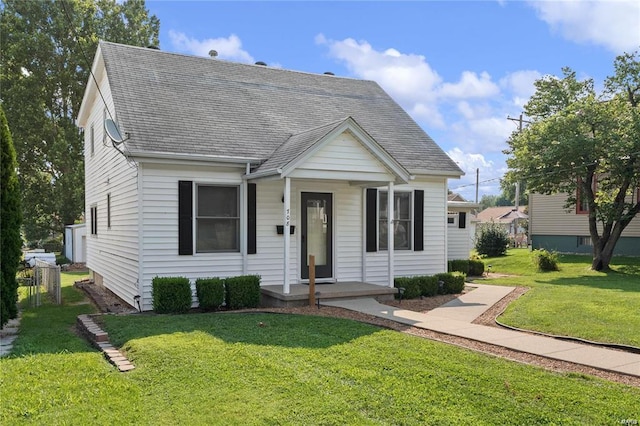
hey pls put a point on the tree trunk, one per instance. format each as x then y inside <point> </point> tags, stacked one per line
<point>603,249</point>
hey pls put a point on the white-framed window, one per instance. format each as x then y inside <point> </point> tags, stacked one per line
<point>584,241</point>
<point>92,140</point>
<point>94,220</point>
<point>451,218</point>
<point>217,218</point>
<point>402,220</point>
<point>109,210</point>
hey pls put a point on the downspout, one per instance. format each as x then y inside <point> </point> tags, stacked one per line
<point>390,235</point>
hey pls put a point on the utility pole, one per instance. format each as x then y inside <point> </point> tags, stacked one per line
<point>520,121</point>
<point>477,182</point>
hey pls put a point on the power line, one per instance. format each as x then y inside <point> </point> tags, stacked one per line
<point>95,80</point>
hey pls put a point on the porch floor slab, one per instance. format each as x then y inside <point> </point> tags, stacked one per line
<point>274,296</point>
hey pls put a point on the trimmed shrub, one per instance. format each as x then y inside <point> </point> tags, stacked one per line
<point>476,268</point>
<point>61,259</point>
<point>545,261</point>
<point>171,295</point>
<point>458,265</point>
<point>428,285</point>
<point>210,292</point>
<point>453,282</point>
<point>492,241</point>
<point>411,287</point>
<point>243,291</point>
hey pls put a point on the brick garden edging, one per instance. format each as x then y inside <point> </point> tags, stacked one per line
<point>100,339</point>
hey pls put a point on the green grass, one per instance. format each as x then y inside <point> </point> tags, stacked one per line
<point>574,301</point>
<point>228,369</point>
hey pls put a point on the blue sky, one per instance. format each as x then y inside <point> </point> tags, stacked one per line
<point>459,68</point>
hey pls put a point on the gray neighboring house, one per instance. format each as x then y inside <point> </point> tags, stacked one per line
<point>231,169</point>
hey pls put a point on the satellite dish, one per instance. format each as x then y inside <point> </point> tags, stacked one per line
<point>113,131</point>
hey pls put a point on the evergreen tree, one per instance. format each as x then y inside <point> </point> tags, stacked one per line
<point>10,219</point>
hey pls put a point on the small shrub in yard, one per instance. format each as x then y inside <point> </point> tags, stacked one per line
<point>545,261</point>
<point>171,295</point>
<point>210,292</point>
<point>411,287</point>
<point>476,268</point>
<point>453,282</point>
<point>243,291</point>
<point>492,241</point>
<point>458,265</point>
<point>428,285</point>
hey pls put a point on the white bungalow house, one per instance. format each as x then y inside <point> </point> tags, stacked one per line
<point>231,169</point>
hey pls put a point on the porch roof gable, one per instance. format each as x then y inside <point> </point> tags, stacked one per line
<point>301,147</point>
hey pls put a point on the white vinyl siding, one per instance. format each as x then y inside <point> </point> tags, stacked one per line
<point>159,185</point>
<point>459,240</point>
<point>408,262</point>
<point>344,158</point>
<point>547,216</point>
<point>113,255</point>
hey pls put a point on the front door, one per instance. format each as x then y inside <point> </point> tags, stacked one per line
<point>316,236</point>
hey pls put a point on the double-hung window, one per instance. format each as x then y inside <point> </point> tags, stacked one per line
<point>401,220</point>
<point>217,219</point>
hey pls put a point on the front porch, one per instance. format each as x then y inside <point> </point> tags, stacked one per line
<point>273,296</point>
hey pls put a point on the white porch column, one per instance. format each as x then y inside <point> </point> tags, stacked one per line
<point>286,236</point>
<point>390,232</point>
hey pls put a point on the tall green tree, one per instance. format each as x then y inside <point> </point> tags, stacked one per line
<point>586,145</point>
<point>47,50</point>
<point>10,219</point>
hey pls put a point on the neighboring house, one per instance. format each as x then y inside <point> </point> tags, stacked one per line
<point>221,159</point>
<point>512,218</point>
<point>461,227</point>
<point>553,227</point>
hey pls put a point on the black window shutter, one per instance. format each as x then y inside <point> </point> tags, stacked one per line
<point>462,220</point>
<point>185,217</point>
<point>251,220</point>
<point>371,222</point>
<point>418,220</point>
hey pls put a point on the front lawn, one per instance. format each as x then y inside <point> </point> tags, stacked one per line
<point>279,369</point>
<point>575,301</point>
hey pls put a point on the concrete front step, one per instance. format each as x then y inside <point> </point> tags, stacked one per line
<point>274,296</point>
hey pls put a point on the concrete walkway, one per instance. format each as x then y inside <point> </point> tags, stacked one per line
<point>455,318</point>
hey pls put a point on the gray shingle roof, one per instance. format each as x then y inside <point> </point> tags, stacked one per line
<point>174,103</point>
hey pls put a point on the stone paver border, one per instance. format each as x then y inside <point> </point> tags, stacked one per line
<point>100,339</point>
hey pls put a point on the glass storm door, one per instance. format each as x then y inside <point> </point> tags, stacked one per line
<point>316,234</point>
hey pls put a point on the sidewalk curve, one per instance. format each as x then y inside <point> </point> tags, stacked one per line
<point>455,318</point>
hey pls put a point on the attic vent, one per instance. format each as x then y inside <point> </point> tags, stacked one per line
<point>264,64</point>
<point>328,73</point>
<point>151,46</point>
<point>213,53</point>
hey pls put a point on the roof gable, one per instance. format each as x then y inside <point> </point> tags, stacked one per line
<point>323,147</point>
<point>175,104</point>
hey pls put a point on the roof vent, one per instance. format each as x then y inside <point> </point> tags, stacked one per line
<point>151,46</point>
<point>328,73</point>
<point>264,64</point>
<point>213,53</point>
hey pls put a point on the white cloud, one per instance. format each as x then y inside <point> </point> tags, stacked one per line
<point>408,78</point>
<point>470,86</point>
<point>520,84</point>
<point>228,48</point>
<point>612,24</point>
<point>488,170</point>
